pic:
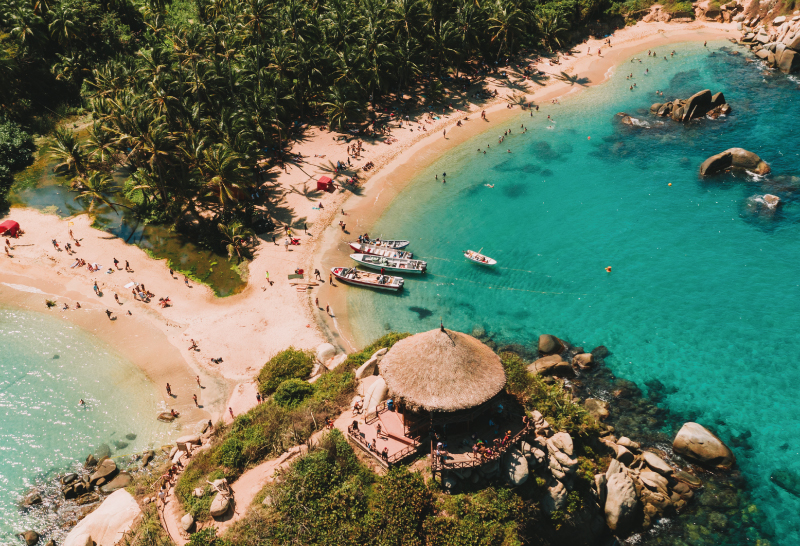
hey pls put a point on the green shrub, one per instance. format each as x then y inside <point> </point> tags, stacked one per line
<point>292,392</point>
<point>399,504</point>
<point>288,364</point>
<point>488,518</point>
<point>230,453</point>
<point>149,531</point>
<point>16,146</point>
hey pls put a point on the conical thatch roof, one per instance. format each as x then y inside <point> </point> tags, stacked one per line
<point>442,370</point>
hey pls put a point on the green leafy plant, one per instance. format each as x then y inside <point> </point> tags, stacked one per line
<point>290,363</point>
<point>292,392</point>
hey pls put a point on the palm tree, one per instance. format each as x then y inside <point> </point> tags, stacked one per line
<point>339,109</point>
<point>64,25</point>
<point>66,149</point>
<point>509,20</point>
<point>237,239</point>
<point>550,28</point>
<point>100,144</point>
<point>224,175</point>
<point>94,189</point>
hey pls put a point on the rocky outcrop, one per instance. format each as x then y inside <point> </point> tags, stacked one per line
<point>550,344</point>
<point>106,525</point>
<point>777,44</point>
<point>376,394</point>
<point>515,467</point>
<point>734,158</point>
<point>584,360</point>
<point>123,479</point>
<point>560,450</point>
<point>325,352</point>
<point>551,365</point>
<point>697,106</point>
<point>700,444</point>
<point>370,367</point>
<point>30,537</point>
<point>622,503</point>
<point>105,471</point>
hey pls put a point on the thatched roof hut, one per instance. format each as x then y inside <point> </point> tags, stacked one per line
<point>442,371</point>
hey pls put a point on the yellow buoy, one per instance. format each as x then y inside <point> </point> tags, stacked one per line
<point>669,184</point>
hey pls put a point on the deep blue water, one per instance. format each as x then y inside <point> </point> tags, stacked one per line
<point>703,293</point>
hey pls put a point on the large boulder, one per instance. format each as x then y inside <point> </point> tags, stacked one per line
<point>657,463</point>
<point>108,524</point>
<point>105,471</point>
<point>789,61</point>
<point>220,505</point>
<point>734,158</point>
<point>325,352</point>
<point>584,360</point>
<point>123,479</point>
<point>551,365</point>
<point>368,368</point>
<point>30,537</point>
<point>556,497</point>
<point>560,461</point>
<point>376,394</point>
<point>550,344</point>
<point>622,503</point>
<point>187,522</point>
<point>515,467</point>
<point>697,442</point>
<point>698,105</point>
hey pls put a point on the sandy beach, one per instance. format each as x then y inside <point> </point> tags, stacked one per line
<point>246,329</point>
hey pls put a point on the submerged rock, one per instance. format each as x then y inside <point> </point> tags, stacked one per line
<point>550,344</point>
<point>697,442</point>
<point>787,480</point>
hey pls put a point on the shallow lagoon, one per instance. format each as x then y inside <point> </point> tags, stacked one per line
<point>703,293</point>
<point>46,367</point>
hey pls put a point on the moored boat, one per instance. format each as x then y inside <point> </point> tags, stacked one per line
<point>479,258</point>
<point>397,265</point>
<point>391,243</point>
<point>351,275</point>
<point>364,248</point>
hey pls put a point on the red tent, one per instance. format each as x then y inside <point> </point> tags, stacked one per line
<point>9,227</point>
<point>324,184</point>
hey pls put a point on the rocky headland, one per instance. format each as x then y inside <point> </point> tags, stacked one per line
<point>701,104</point>
<point>776,43</point>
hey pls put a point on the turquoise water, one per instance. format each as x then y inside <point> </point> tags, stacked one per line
<point>46,367</point>
<point>703,294</point>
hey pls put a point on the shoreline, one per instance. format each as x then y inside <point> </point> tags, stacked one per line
<point>246,329</point>
<point>408,162</point>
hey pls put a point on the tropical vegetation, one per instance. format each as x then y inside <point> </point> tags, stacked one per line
<point>191,97</point>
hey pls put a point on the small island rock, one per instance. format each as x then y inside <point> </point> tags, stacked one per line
<point>699,443</point>
<point>733,158</point>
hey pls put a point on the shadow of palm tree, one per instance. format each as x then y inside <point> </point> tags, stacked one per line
<point>572,80</point>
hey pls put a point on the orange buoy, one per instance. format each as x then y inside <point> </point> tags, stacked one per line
<point>669,184</point>
<point>590,138</point>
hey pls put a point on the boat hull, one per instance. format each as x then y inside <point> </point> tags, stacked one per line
<point>380,251</point>
<point>338,273</point>
<point>421,267</point>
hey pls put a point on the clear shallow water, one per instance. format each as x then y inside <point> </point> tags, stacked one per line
<point>46,367</point>
<point>703,295</point>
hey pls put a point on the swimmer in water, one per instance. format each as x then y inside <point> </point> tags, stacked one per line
<point>489,185</point>
<point>81,402</point>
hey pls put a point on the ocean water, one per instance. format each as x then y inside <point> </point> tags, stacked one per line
<point>703,292</point>
<point>46,367</point>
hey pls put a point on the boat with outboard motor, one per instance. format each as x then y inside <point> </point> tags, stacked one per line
<point>397,244</point>
<point>351,275</point>
<point>364,248</point>
<point>479,258</point>
<point>397,265</point>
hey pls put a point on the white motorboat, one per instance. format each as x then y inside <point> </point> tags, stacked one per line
<point>397,265</point>
<point>479,258</point>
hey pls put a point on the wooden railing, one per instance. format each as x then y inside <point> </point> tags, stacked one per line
<point>438,465</point>
<point>393,459</point>
<point>373,416</point>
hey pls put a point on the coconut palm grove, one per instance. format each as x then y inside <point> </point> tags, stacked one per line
<point>191,96</point>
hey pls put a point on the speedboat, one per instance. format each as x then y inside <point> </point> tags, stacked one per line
<point>392,243</point>
<point>364,248</point>
<point>397,265</point>
<point>367,278</point>
<point>479,258</point>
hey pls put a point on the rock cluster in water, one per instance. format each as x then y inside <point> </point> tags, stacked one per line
<point>701,104</point>
<point>734,158</point>
<point>712,504</point>
<point>778,44</point>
